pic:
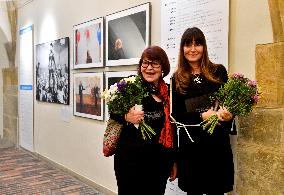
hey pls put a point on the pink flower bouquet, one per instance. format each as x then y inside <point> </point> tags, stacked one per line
<point>239,95</point>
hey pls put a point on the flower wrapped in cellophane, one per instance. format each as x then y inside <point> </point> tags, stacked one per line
<point>125,94</point>
<point>238,95</point>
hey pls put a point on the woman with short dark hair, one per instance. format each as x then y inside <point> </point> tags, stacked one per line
<point>142,167</point>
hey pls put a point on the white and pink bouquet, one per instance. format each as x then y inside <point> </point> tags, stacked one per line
<point>125,94</point>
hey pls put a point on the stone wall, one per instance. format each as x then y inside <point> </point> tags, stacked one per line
<point>270,74</point>
<point>260,148</point>
<point>10,105</point>
<point>276,8</point>
<point>260,154</point>
<point>10,80</point>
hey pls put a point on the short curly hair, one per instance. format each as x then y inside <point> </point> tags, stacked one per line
<point>156,53</point>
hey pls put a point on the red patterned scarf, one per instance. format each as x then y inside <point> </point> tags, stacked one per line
<point>166,137</point>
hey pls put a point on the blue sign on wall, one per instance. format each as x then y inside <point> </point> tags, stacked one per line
<point>26,87</point>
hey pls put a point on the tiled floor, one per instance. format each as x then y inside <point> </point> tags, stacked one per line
<point>23,174</point>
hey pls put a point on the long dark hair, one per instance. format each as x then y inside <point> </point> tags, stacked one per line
<point>183,73</point>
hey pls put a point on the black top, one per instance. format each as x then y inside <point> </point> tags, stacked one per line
<point>140,164</point>
<point>153,116</point>
<point>206,165</point>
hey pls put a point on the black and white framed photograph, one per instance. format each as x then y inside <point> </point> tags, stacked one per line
<point>52,71</point>
<point>127,35</point>
<point>112,78</point>
<point>88,44</point>
<point>87,95</point>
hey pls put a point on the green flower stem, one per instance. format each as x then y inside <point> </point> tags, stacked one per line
<point>210,123</point>
<point>146,130</point>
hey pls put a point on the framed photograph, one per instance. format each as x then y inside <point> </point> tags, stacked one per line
<point>127,35</point>
<point>52,71</point>
<point>87,95</point>
<point>112,78</point>
<point>88,44</point>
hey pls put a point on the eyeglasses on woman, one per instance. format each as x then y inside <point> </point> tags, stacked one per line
<point>154,64</point>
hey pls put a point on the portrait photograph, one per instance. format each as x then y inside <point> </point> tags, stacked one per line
<point>52,71</point>
<point>87,95</point>
<point>112,78</point>
<point>127,35</point>
<point>88,44</point>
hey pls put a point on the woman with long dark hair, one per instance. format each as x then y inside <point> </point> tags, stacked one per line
<point>205,166</point>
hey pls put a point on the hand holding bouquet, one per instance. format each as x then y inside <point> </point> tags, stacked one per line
<point>125,94</point>
<point>238,95</point>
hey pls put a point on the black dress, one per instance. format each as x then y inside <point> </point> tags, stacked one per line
<point>206,165</point>
<point>143,167</point>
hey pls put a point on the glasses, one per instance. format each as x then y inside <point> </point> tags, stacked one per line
<point>154,64</point>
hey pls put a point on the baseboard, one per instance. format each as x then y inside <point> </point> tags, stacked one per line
<point>102,189</point>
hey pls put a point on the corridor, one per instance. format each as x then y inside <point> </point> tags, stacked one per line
<point>21,173</point>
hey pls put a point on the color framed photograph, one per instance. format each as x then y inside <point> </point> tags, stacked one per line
<point>88,44</point>
<point>127,35</point>
<point>52,71</point>
<point>87,101</point>
<point>112,78</point>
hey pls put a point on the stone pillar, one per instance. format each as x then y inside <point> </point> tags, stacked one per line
<point>10,105</point>
<point>276,8</point>
<point>12,16</point>
<point>270,74</point>
<point>10,83</point>
<point>260,154</point>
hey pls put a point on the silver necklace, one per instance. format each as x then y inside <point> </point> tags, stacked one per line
<point>197,79</point>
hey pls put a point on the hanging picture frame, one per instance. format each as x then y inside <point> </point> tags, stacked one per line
<point>52,71</point>
<point>87,101</point>
<point>112,78</point>
<point>127,35</point>
<point>88,44</point>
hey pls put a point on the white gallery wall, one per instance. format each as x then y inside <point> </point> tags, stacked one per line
<point>76,142</point>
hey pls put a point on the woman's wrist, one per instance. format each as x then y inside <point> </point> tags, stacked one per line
<point>200,114</point>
